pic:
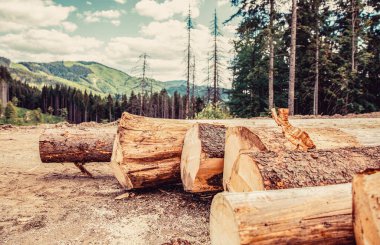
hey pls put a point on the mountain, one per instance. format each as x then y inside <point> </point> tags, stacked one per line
<point>90,76</point>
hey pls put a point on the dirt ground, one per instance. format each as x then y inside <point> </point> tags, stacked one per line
<point>56,204</point>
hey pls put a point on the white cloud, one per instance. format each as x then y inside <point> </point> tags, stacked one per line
<point>165,43</point>
<point>47,45</point>
<point>88,3</point>
<point>17,15</point>
<point>69,26</point>
<point>103,15</point>
<point>223,2</point>
<point>120,1</point>
<point>167,9</point>
<point>115,22</point>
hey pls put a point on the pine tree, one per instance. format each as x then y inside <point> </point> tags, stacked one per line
<point>189,27</point>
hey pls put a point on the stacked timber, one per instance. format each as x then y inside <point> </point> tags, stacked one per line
<point>202,158</point>
<point>313,215</point>
<point>366,205</point>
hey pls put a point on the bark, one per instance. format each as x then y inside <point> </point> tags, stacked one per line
<point>147,151</point>
<point>315,215</point>
<point>366,207</point>
<point>202,158</point>
<point>76,145</point>
<point>295,169</point>
<point>271,55</point>
<point>292,65</point>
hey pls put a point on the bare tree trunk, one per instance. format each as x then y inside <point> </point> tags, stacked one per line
<point>316,85</point>
<point>292,71</point>
<point>353,35</point>
<point>271,55</point>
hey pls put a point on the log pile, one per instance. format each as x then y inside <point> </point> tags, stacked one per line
<point>297,182</point>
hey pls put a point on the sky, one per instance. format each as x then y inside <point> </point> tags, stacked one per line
<point>116,33</point>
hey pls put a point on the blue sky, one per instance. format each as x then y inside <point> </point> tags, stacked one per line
<point>113,32</point>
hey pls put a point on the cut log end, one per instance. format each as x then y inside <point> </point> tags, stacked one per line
<point>202,158</point>
<point>366,205</point>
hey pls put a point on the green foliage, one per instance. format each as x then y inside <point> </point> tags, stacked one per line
<point>217,111</point>
<point>341,89</point>
<point>14,101</point>
<point>91,77</point>
<point>10,112</point>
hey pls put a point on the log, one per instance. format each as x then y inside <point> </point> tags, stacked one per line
<point>313,215</point>
<point>147,151</point>
<point>366,207</point>
<point>242,139</point>
<point>202,158</point>
<point>291,169</point>
<point>76,145</point>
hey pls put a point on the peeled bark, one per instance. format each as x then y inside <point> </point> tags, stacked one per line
<point>76,145</point>
<point>147,151</point>
<point>292,169</point>
<point>366,207</point>
<point>202,158</point>
<point>295,135</point>
<point>315,215</point>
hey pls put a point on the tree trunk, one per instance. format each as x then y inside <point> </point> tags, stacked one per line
<point>271,56</point>
<point>293,169</point>
<point>202,158</point>
<point>366,205</point>
<point>316,84</point>
<point>353,35</point>
<point>76,145</point>
<point>147,151</point>
<point>315,215</point>
<point>292,71</point>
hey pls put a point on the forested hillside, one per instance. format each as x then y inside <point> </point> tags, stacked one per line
<point>336,48</point>
<point>92,77</point>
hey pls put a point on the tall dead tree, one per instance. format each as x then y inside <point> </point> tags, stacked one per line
<point>143,80</point>
<point>292,71</point>
<point>193,90</point>
<point>189,26</point>
<point>271,55</point>
<point>353,34</point>
<point>215,57</point>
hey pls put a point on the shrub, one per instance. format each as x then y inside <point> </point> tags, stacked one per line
<point>217,111</point>
<point>10,112</point>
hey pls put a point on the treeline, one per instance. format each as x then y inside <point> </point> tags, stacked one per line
<point>76,106</point>
<point>336,45</point>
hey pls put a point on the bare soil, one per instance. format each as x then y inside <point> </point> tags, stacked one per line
<point>56,204</point>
